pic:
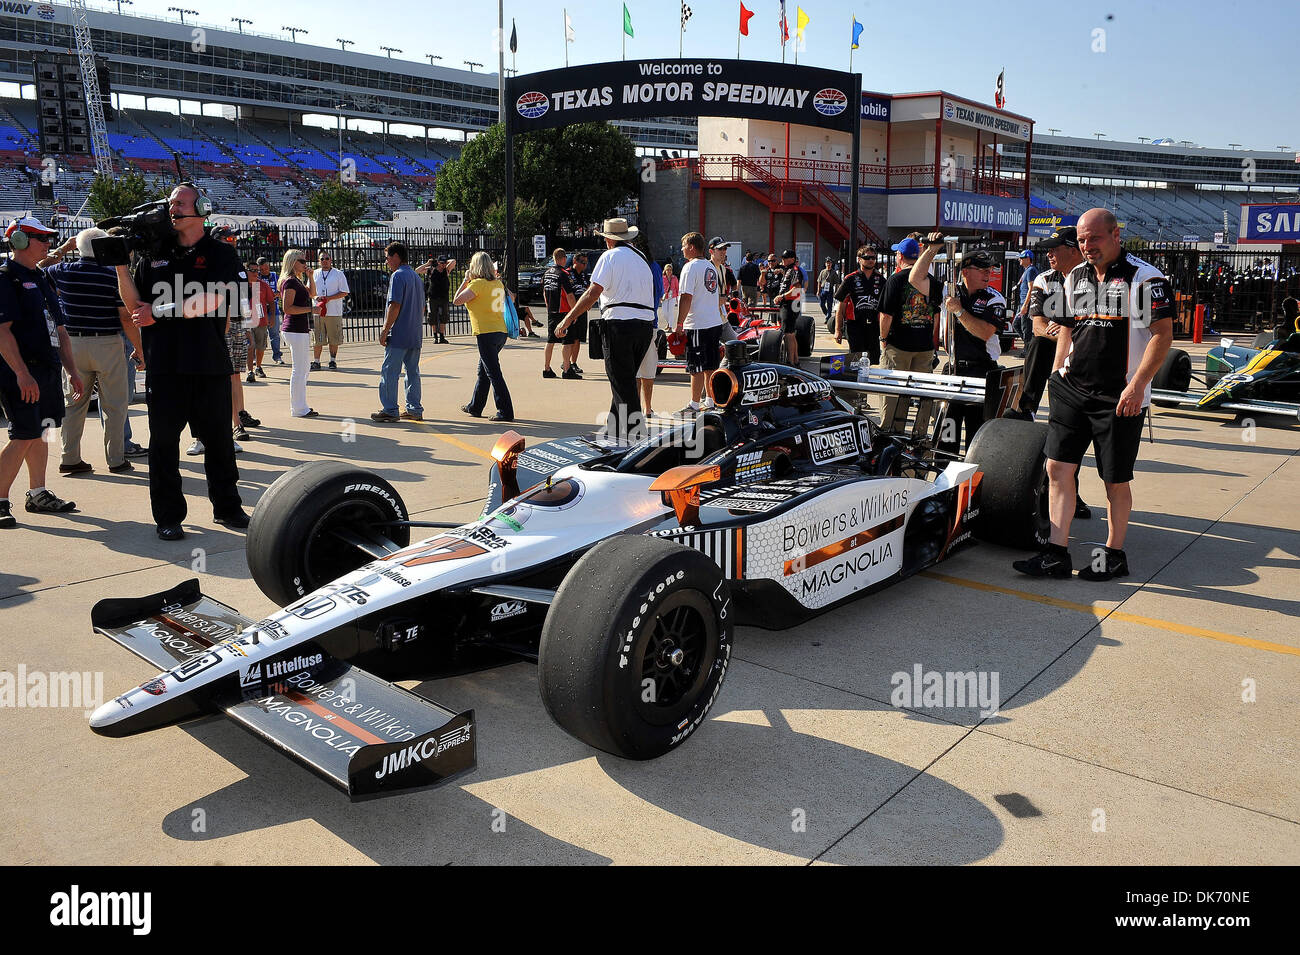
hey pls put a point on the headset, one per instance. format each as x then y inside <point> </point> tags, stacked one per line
<point>18,239</point>
<point>202,204</point>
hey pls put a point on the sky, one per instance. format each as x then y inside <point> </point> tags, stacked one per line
<point>1210,72</point>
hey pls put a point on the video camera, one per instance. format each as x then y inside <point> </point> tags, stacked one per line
<point>147,228</point>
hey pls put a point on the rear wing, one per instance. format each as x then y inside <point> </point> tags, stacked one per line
<point>997,391</point>
<point>364,735</point>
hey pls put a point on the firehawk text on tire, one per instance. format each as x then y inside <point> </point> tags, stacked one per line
<point>292,545</point>
<point>636,646</point>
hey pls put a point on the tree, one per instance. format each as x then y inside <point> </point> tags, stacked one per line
<point>577,173</point>
<point>337,206</point>
<point>116,196</point>
<point>530,218</point>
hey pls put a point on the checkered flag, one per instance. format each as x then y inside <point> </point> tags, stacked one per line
<point>686,14</point>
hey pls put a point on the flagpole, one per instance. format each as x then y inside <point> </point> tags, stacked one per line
<point>564,12</point>
<point>852,20</point>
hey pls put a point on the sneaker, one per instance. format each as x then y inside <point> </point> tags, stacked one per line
<point>233,519</point>
<point>469,411</point>
<point>81,467</point>
<point>239,433</point>
<point>195,448</point>
<point>6,516</point>
<point>411,416</point>
<point>547,373</point>
<point>122,468</point>
<point>279,361</point>
<point>170,532</point>
<point>1115,565</point>
<point>690,411</point>
<point>315,366</point>
<point>260,373</point>
<point>708,405</point>
<point>1052,562</point>
<point>47,503</point>
<point>442,340</point>
<point>334,366</point>
<point>247,420</point>
<point>251,377</point>
<point>1081,510</point>
<point>572,374</point>
<point>134,450</point>
<point>384,416</point>
<point>575,369</point>
<point>502,417</point>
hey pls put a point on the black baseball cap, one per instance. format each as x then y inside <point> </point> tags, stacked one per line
<point>1068,235</point>
<point>442,258</point>
<point>717,243</point>
<point>787,254</point>
<point>978,259</point>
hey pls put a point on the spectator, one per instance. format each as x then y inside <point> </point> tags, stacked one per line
<point>581,279</point>
<point>749,273</point>
<point>438,291</point>
<point>483,296</point>
<point>264,297</point>
<point>95,318</point>
<point>557,292</point>
<point>31,323</point>
<point>789,295</point>
<point>331,289</point>
<point>624,283</point>
<point>296,297</point>
<point>718,256</point>
<point>1116,328</point>
<point>828,280</point>
<point>699,314</point>
<point>1022,325</point>
<point>401,339</point>
<point>858,312</point>
<point>672,292</point>
<point>909,323</point>
<point>272,324</point>
<point>188,363</point>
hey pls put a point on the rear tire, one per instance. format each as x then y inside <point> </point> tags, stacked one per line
<point>291,551</point>
<point>1174,375</point>
<point>805,333</point>
<point>1013,488</point>
<point>636,646</point>
<point>771,346</point>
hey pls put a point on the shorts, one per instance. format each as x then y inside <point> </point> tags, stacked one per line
<point>28,420</point>
<point>649,366</point>
<point>703,349</point>
<point>790,314</point>
<point>261,337</point>
<point>328,330</point>
<point>439,311</point>
<point>237,344</point>
<point>553,320</point>
<point>864,337</point>
<point>579,329</point>
<point>1078,420</point>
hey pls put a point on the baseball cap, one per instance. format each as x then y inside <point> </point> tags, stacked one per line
<point>788,254</point>
<point>909,248</point>
<point>263,260</point>
<point>717,243</point>
<point>978,259</point>
<point>31,225</point>
<point>442,258</point>
<point>1027,254</point>
<point>1069,235</point>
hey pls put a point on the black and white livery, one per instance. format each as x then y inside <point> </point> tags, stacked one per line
<point>621,570</point>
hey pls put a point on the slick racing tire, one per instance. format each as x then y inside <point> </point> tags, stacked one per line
<point>771,346</point>
<point>1013,485</point>
<point>292,545</point>
<point>805,333</point>
<point>1174,375</point>
<point>636,645</point>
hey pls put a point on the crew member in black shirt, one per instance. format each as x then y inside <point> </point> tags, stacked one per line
<point>789,296</point>
<point>749,273</point>
<point>858,311</point>
<point>557,292</point>
<point>980,315</point>
<point>33,344</point>
<point>439,295</point>
<point>580,278</point>
<point>182,301</point>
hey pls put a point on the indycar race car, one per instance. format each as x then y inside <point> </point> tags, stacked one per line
<point>1239,379</point>
<point>620,568</point>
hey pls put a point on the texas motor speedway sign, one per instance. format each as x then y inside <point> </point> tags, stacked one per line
<point>646,89</point>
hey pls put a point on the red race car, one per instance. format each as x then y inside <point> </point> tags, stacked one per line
<point>754,325</point>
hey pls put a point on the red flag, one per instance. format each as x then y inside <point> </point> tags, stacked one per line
<point>744,20</point>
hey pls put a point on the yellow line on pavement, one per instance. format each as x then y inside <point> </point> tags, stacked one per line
<point>457,442</point>
<point>1101,613</point>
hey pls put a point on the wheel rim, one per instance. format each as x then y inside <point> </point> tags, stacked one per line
<point>675,654</point>
<point>327,557</point>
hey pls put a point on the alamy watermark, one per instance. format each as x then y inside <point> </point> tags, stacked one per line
<point>948,689</point>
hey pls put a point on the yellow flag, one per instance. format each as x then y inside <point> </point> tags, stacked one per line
<point>801,21</point>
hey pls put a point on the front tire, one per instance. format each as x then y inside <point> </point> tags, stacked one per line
<point>636,646</point>
<point>771,346</point>
<point>292,549</point>
<point>1175,374</point>
<point>1013,487</point>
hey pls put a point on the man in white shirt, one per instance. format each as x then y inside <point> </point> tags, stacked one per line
<point>623,282</point>
<point>331,289</point>
<point>699,314</point>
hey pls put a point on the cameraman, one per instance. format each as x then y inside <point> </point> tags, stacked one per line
<point>181,297</point>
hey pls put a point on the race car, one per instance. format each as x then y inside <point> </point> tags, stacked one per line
<point>1243,380</point>
<point>620,568</point>
<point>753,325</point>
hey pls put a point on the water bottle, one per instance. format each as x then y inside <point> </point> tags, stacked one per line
<point>864,369</point>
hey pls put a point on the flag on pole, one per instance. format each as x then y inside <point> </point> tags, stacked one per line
<point>801,21</point>
<point>686,14</point>
<point>785,29</point>
<point>744,20</point>
<point>627,22</point>
<point>857,33</point>
<point>998,99</point>
<point>514,37</point>
<point>568,28</point>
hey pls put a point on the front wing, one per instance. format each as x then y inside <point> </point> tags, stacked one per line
<point>1192,399</point>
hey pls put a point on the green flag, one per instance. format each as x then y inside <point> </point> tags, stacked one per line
<point>627,22</point>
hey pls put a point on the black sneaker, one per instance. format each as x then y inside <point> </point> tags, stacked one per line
<point>571,373</point>
<point>1081,510</point>
<point>260,373</point>
<point>315,366</point>
<point>239,433</point>
<point>574,368</point>
<point>6,516</point>
<point>170,532</point>
<point>47,503</point>
<point>1115,565</point>
<point>251,377</point>
<point>233,519</point>
<point>1054,561</point>
<point>334,366</point>
<point>247,420</point>
<point>134,450</point>
<point>547,373</point>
